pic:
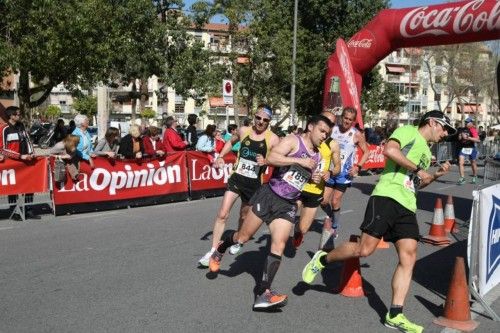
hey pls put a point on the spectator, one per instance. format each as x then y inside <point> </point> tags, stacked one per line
<point>192,134</point>
<point>131,145</point>
<point>110,144</point>
<point>2,158</point>
<point>247,122</point>
<point>232,129</point>
<point>71,126</point>
<point>292,129</point>
<point>152,142</point>
<point>206,142</point>
<point>15,143</point>
<point>171,138</point>
<point>482,133</point>
<point>84,150</point>
<point>60,131</point>
<point>66,151</point>
<point>219,142</point>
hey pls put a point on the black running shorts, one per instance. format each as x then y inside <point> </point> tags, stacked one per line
<point>339,186</point>
<point>311,200</point>
<point>268,206</point>
<point>244,189</point>
<point>385,217</point>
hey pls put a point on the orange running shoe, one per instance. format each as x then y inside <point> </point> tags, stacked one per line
<point>270,299</point>
<point>214,262</point>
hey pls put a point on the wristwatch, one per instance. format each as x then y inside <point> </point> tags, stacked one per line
<point>417,170</point>
<point>359,166</point>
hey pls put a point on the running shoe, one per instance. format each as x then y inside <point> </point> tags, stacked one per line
<point>214,261</point>
<point>205,259</point>
<point>313,267</point>
<point>298,239</point>
<point>235,249</point>
<point>461,181</point>
<point>270,299</point>
<point>400,322</point>
<point>473,180</point>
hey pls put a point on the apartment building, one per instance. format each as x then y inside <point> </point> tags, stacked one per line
<point>421,81</point>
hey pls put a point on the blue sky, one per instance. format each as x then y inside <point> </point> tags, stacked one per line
<point>395,3</point>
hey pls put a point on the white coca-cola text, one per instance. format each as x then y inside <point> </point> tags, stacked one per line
<point>347,70</point>
<point>102,179</point>
<point>364,43</point>
<point>8,177</point>
<point>458,19</point>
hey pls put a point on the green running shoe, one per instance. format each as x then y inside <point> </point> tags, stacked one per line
<point>313,267</point>
<point>461,181</point>
<point>400,322</point>
<point>473,180</point>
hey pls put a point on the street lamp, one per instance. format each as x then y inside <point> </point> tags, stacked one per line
<point>294,58</point>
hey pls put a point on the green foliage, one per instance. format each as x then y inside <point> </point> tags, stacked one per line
<point>86,105</point>
<point>148,113</point>
<point>53,111</point>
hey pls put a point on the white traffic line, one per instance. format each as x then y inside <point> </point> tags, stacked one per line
<point>92,215</point>
<point>346,211</point>
<point>7,228</point>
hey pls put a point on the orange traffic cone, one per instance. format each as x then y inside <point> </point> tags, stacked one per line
<point>437,234</point>
<point>449,216</point>
<point>351,282</point>
<point>382,244</point>
<point>326,241</point>
<point>456,308</point>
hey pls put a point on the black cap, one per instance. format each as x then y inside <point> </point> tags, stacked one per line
<point>441,118</point>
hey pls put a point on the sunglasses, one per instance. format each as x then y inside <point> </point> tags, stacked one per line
<point>259,118</point>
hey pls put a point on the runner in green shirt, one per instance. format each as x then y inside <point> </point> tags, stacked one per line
<point>390,212</point>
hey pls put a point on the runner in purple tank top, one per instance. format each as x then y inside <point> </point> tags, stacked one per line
<point>275,204</point>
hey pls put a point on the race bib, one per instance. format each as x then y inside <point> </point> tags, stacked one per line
<point>466,151</point>
<point>408,182</point>
<point>297,177</point>
<point>247,168</point>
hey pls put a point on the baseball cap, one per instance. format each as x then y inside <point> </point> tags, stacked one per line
<point>441,118</point>
<point>469,120</point>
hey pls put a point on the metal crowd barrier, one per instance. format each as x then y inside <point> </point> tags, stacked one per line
<point>491,171</point>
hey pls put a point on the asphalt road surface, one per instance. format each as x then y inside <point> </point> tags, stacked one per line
<point>135,270</point>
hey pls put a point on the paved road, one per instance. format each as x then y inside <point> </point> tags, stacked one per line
<point>135,271</point>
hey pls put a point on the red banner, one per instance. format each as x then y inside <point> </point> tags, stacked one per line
<point>204,176</point>
<point>17,177</point>
<point>114,180</point>
<point>376,159</point>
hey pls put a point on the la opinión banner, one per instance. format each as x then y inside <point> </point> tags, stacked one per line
<point>17,177</point>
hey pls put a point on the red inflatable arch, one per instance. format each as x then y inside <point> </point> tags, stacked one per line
<point>449,23</point>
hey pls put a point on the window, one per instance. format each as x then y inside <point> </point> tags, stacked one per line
<point>179,107</point>
<point>424,91</point>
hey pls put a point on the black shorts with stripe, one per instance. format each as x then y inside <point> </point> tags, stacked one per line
<point>385,217</point>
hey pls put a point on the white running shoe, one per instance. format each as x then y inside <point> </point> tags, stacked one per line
<point>235,248</point>
<point>205,259</point>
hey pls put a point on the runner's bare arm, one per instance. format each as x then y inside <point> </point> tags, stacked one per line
<point>335,165</point>
<point>278,155</point>
<point>274,140</point>
<point>229,143</point>
<point>361,142</point>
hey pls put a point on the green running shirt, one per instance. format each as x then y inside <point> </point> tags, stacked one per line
<point>396,182</point>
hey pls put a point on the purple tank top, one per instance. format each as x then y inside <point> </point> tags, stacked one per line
<point>287,182</point>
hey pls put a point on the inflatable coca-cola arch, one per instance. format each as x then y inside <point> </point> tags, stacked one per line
<point>449,23</point>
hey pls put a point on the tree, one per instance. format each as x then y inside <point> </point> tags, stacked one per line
<point>462,71</point>
<point>86,105</point>
<point>148,113</point>
<point>78,42</point>
<point>50,113</point>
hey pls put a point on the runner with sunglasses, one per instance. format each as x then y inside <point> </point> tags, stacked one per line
<point>390,212</point>
<point>256,142</point>
<point>296,158</point>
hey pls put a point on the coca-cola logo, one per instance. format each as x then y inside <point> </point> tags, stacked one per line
<point>458,19</point>
<point>102,179</point>
<point>8,177</point>
<point>365,43</point>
